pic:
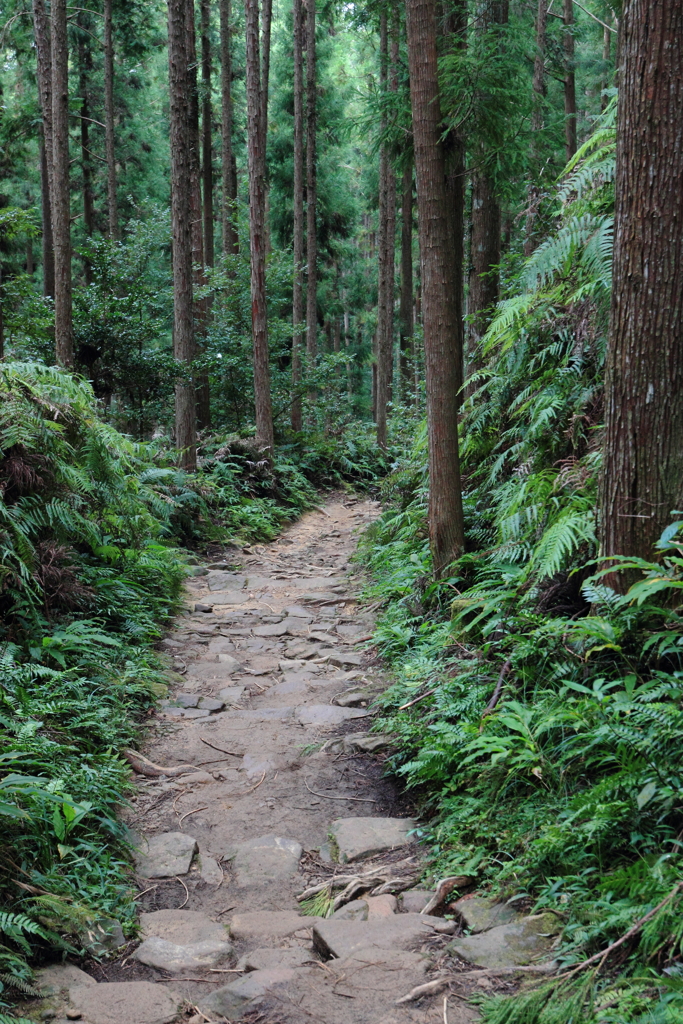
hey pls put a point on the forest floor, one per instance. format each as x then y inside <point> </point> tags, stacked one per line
<point>257,787</point>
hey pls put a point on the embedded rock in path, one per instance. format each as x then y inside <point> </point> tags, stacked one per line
<point>176,958</point>
<point>266,859</point>
<point>210,870</point>
<point>268,924</point>
<point>351,699</point>
<point>364,837</point>
<point>50,981</point>
<point>165,855</point>
<point>270,629</point>
<point>345,660</point>
<point>265,959</point>
<point>327,714</point>
<point>364,742</point>
<point>220,601</point>
<point>413,901</point>
<point>210,703</point>
<point>344,938</point>
<point>510,945</point>
<point>183,926</point>
<point>186,700</point>
<point>122,1002</point>
<point>231,694</point>
<point>356,910</point>
<point>381,906</point>
<point>233,1000</point>
<point>480,915</point>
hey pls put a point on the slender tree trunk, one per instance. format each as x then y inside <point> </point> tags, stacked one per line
<point>228,176</point>
<point>441,282</point>
<point>207,134</point>
<point>642,479</point>
<point>539,91</point>
<point>41,35</point>
<point>569,81</point>
<point>311,188</point>
<point>406,309</point>
<point>61,222</point>
<point>383,357</point>
<point>109,120</point>
<point>183,331</point>
<point>85,68</point>
<point>256,139</point>
<point>606,53</point>
<point>298,240</point>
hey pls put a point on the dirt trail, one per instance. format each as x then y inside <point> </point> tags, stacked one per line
<point>270,716</point>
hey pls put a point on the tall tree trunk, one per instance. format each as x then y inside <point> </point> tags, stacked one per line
<point>484,276</point>
<point>85,68</point>
<point>387,239</point>
<point>441,281</point>
<point>539,92</point>
<point>642,480</point>
<point>298,203</point>
<point>406,309</point>
<point>183,331</point>
<point>569,81</point>
<point>256,139</point>
<point>228,176</point>
<point>109,135</point>
<point>311,188</point>
<point>606,53</point>
<point>41,35</point>
<point>61,220</point>
<point>207,135</point>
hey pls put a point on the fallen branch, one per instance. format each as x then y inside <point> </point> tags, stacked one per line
<point>497,693</point>
<point>633,930</point>
<point>428,989</point>
<point>356,799</point>
<point>222,749</point>
<point>416,700</point>
<point>143,766</point>
<point>187,894</point>
<point>432,987</point>
<point>256,786</point>
<point>444,888</point>
<point>188,813</point>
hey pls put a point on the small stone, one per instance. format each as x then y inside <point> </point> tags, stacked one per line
<point>199,607</point>
<point>73,1014</point>
<point>122,1002</point>
<point>364,837</point>
<point>187,700</point>
<point>381,906</point>
<point>352,699</point>
<point>210,704</point>
<point>231,694</point>
<point>325,851</point>
<point>210,870</point>
<point>166,855</point>
<point>365,743</point>
<point>229,664</point>
<point>480,914</point>
<point>356,910</point>
<point>264,959</point>
<point>266,859</point>
<point>413,901</point>
<point>104,935</point>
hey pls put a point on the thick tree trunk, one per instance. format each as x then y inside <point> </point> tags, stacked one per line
<point>41,35</point>
<point>569,81</point>
<point>298,204</point>
<point>539,91</point>
<point>61,221</point>
<point>642,479</point>
<point>256,139</point>
<point>228,176</point>
<point>183,332</point>
<point>406,309</point>
<point>207,135</point>
<point>311,188</point>
<point>109,116</point>
<point>441,281</point>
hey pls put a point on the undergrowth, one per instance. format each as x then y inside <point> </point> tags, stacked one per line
<point>545,735</point>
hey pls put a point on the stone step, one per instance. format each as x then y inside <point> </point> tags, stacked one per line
<point>340,939</point>
<point>181,940</point>
<point>125,1002</point>
<point>364,837</point>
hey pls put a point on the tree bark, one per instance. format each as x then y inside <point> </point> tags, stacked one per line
<point>298,204</point>
<point>406,307</point>
<point>41,35</point>
<point>539,91</point>
<point>109,116</point>
<point>183,332</point>
<point>311,188</point>
<point>441,282</point>
<point>256,139</point>
<point>207,135</point>
<point>606,53</point>
<point>85,69</point>
<point>61,221</point>
<point>228,176</point>
<point>642,480</point>
<point>569,81</point>
<point>387,238</point>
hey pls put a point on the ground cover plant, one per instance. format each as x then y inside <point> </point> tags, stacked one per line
<point>545,726</point>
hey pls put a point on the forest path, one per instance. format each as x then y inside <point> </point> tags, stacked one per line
<point>271,718</point>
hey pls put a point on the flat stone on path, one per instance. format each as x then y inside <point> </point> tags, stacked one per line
<point>125,1002</point>
<point>268,924</point>
<point>231,694</point>
<point>364,837</point>
<point>265,959</point>
<point>510,945</point>
<point>270,629</point>
<point>219,601</point>
<point>414,901</point>
<point>50,981</point>
<point>232,1000</point>
<point>165,855</point>
<point>344,938</point>
<point>266,859</point>
<point>175,957</point>
<point>480,915</point>
<point>327,714</point>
